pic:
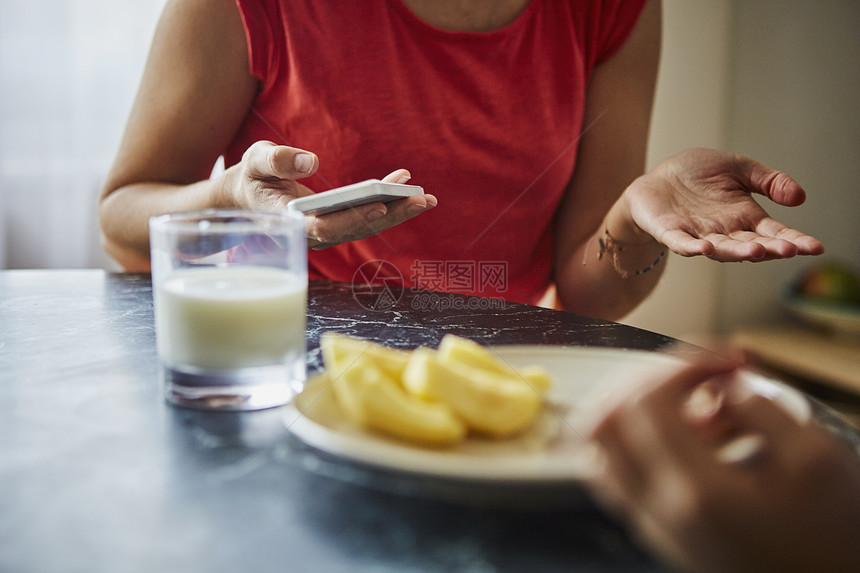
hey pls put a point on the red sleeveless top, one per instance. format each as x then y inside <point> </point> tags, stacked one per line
<point>488,122</point>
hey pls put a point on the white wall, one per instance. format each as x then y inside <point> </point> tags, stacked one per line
<point>68,74</point>
<point>795,105</point>
<point>779,81</point>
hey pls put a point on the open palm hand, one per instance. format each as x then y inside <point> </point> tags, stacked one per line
<point>700,202</point>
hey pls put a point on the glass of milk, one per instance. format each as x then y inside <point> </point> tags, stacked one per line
<point>230,293</point>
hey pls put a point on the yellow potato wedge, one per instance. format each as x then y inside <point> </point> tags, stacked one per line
<point>537,378</point>
<point>340,351</point>
<point>371,399</point>
<point>454,350</point>
<point>487,401</point>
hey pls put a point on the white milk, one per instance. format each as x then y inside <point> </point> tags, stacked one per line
<point>231,318</point>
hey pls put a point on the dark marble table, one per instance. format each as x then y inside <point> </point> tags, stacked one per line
<point>98,473</point>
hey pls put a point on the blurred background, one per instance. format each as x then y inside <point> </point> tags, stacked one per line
<point>68,74</point>
<point>777,80</point>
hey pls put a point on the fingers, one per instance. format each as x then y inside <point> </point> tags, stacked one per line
<point>403,209</point>
<point>771,240</point>
<point>361,222</point>
<point>645,427</point>
<point>690,500</point>
<point>686,244</point>
<point>650,456</point>
<point>399,176</point>
<point>266,161</point>
<point>718,247</point>
<point>367,220</point>
<point>749,246</point>
<point>805,244</point>
<point>399,210</point>
<point>661,388</point>
<point>668,402</point>
<point>767,438</point>
<point>769,410</point>
<point>619,477</point>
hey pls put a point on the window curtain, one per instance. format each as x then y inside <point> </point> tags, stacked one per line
<point>69,71</point>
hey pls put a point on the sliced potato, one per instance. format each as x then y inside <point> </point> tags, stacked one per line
<point>340,351</point>
<point>432,397</point>
<point>538,378</point>
<point>371,399</point>
<point>464,351</point>
<point>486,400</point>
<point>454,350</point>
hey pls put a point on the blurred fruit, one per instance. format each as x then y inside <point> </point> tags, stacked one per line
<point>829,281</point>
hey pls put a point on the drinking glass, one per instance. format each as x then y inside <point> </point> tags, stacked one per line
<point>230,294</point>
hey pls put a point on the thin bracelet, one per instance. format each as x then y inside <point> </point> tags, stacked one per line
<point>609,244</point>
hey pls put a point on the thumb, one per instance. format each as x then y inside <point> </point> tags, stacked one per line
<point>265,160</point>
<point>777,186</point>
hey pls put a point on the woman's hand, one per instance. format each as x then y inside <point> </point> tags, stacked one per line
<point>731,482</point>
<point>267,178</point>
<point>700,202</point>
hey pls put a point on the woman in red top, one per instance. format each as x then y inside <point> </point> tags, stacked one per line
<point>525,121</point>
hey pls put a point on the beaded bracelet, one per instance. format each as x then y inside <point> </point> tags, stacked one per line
<point>609,244</point>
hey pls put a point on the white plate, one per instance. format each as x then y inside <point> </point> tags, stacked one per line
<point>551,451</point>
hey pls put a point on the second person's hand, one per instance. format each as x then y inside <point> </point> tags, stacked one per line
<point>674,468</point>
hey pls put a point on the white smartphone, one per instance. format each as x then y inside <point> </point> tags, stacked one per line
<point>370,191</point>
